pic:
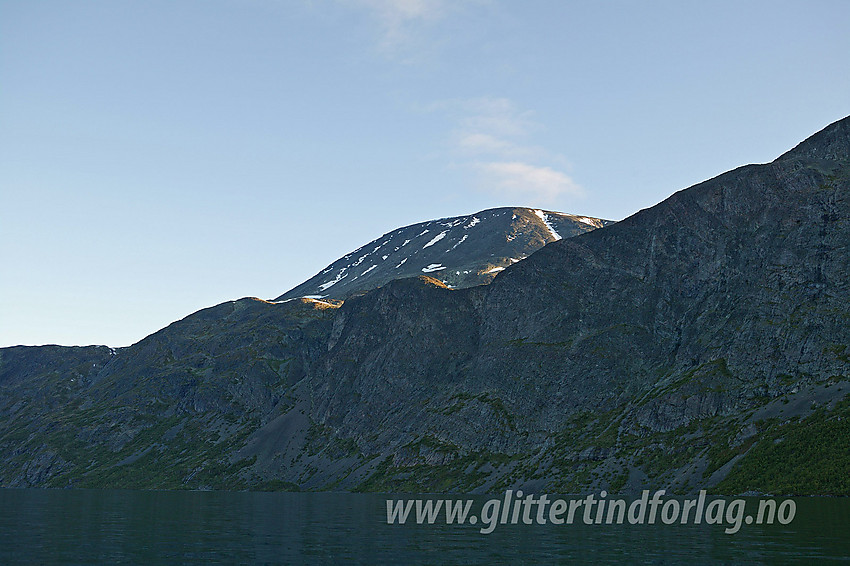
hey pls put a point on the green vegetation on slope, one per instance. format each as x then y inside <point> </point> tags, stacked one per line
<point>803,457</point>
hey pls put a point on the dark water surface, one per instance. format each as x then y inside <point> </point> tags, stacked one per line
<point>138,527</point>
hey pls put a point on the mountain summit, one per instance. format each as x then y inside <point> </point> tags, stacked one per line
<point>462,251</point>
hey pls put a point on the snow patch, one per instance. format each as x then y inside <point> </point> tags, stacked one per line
<point>590,221</point>
<point>433,267</point>
<point>475,220</point>
<point>436,239</point>
<point>495,270</point>
<point>368,270</point>
<point>465,236</point>
<point>339,277</point>
<point>400,264</point>
<point>545,218</point>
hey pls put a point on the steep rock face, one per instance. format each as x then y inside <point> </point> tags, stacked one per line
<point>749,267</point>
<point>726,294</point>
<point>237,357</point>
<point>165,412</point>
<point>745,272</point>
<point>24,365</point>
<point>35,382</point>
<point>462,251</point>
<point>393,362</point>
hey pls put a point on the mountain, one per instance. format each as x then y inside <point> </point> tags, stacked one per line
<point>462,251</point>
<point>700,343</point>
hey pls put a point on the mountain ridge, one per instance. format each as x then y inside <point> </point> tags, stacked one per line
<point>699,343</point>
<point>830,143</point>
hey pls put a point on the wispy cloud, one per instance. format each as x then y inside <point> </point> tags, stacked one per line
<point>402,21</point>
<point>484,143</point>
<point>494,139</point>
<point>515,179</point>
<point>496,116</point>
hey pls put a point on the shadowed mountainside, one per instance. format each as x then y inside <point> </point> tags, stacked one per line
<point>698,343</point>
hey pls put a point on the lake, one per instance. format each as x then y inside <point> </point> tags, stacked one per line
<point>149,527</point>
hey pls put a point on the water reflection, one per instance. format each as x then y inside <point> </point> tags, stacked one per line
<point>131,527</point>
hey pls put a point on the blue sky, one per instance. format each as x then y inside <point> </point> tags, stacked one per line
<point>157,157</point>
